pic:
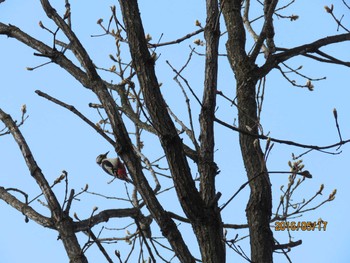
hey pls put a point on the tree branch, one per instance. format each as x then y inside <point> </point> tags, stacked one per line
<point>267,31</point>
<point>57,57</point>
<point>313,47</point>
<point>77,48</point>
<point>34,169</point>
<point>104,216</point>
<point>177,41</point>
<point>207,167</point>
<point>288,245</point>
<point>61,221</point>
<point>76,112</point>
<point>264,137</point>
<point>170,141</point>
<point>26,209</point>
<point>157,109</point>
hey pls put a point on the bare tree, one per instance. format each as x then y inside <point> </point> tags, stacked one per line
<point>141,103</point>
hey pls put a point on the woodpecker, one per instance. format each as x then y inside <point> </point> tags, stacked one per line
<point>113,166</point>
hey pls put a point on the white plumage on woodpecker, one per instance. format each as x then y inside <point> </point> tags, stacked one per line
<point>113,166</point>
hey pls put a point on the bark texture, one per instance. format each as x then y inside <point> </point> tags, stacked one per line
<point>203,215</point>
<point>260,201</point>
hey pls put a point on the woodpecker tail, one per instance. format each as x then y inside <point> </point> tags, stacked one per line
<point>121,172</point>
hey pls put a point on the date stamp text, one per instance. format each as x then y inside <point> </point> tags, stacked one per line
<point>301,225</point>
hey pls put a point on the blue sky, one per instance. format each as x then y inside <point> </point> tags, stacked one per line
<point>61,141</point>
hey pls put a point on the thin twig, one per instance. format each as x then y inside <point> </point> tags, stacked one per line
<point>177,41</point>
<point>76,112</point>
<point>240,189</point>
<point>186,82</point>
<point>264,137</point>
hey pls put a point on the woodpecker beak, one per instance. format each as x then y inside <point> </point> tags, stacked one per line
<point>105,155</point>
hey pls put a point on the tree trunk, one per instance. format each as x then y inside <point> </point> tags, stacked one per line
<point>260,201</point>
<point>70,241</point>
<point>246,72</point>
<point>210,232</point>
<point>202,212</point>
